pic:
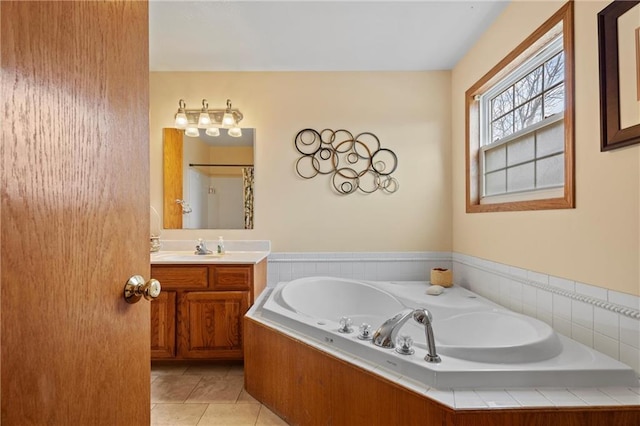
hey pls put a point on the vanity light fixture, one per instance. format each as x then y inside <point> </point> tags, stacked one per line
<point>235,132</point>
<point>206,118</point>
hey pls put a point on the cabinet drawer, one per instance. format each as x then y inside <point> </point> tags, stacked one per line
<point>181,277</point>
<point>231,277</point>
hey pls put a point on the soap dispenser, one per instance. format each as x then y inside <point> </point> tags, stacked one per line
<point>220,245</point>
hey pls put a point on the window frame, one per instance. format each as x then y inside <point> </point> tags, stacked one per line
<point>528,49</point>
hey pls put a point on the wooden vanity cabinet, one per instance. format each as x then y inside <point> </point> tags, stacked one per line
<point>199,314</point>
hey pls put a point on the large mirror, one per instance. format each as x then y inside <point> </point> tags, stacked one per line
<point>208,180</point>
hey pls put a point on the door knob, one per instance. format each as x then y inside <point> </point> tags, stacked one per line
<point>136,288</point>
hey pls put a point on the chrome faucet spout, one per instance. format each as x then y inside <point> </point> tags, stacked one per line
<point>385,335</point>
<point>201,248</point>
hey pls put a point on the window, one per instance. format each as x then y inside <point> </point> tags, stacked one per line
<point>520,125</point>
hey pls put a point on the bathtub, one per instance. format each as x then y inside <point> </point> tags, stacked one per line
<point>481,344</point>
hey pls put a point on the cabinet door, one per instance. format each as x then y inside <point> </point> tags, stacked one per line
<point>210,324</point>
<point>163,326</point>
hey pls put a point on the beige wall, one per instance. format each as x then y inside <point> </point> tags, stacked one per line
<point>408,111</point>
<point>596,243</point>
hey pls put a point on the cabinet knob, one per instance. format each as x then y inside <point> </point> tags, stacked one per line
<point>136,287</point>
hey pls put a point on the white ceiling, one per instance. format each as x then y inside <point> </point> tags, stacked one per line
<point>314,35</point>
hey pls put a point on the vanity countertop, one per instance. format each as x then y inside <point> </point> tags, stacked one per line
<point>188,257</point>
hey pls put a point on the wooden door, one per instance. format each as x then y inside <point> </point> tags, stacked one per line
<point>74,214</point>
<point>210,324</point>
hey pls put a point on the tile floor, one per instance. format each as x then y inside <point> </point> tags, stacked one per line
<point>204,394</point>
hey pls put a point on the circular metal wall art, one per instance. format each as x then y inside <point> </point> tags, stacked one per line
<point>355,163</point>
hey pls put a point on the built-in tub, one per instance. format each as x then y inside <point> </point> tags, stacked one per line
<point>481,344</point>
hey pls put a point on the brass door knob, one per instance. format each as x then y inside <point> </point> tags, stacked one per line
<point>136,288</point>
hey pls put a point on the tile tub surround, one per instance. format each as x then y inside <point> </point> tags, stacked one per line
<point>605,320</point>
<point>379,266</point>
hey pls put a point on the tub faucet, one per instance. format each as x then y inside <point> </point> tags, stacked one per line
<point>385,335</point>
<point>424,317</point>
<point>201,248</point>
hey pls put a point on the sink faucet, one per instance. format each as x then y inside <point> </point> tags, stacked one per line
<point>385,335</point>
<point>201,248</point>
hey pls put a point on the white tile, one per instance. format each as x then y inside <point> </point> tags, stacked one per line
<point>606,322</point>
<point>630,331</point>
<point>561,397</point>
<point>501,268</point>
<point>443,396</point>
<point>538,277</point>
<point>582,335</point>
<point>529,295</point>
<point>309,269</point>
<point>562,307</point>
<point>529,397</point>
<point>346,269</point>
<point>468,399</point>
<point>371,271</point>
<point>606,345</point>
<point>518,272</point>
<point>529,309</point>
<point>562,326</point>
<point>563,284</point>
<point>297,270</point>
<point>593,396</point>
<point>505,291</point>
<point>322,268</point>
<point>515,292</point>
<point>592,291</point>
<point>624,299</point>
<point>333,269</point>
<point>545,316</point>
<point>582,314</point>
<point>630,356</point>
<point>544,300</point>
<point>358,270</point>
<point>497,398</point>
<point>623,395</point>
<point>284,271</point>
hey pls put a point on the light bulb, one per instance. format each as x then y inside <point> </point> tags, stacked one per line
<point>192,131</point>
<point>213,131</point>
<point>228,120</point>
<point>235,132</point>
<point>181,120</point>
<point>204,120</point>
